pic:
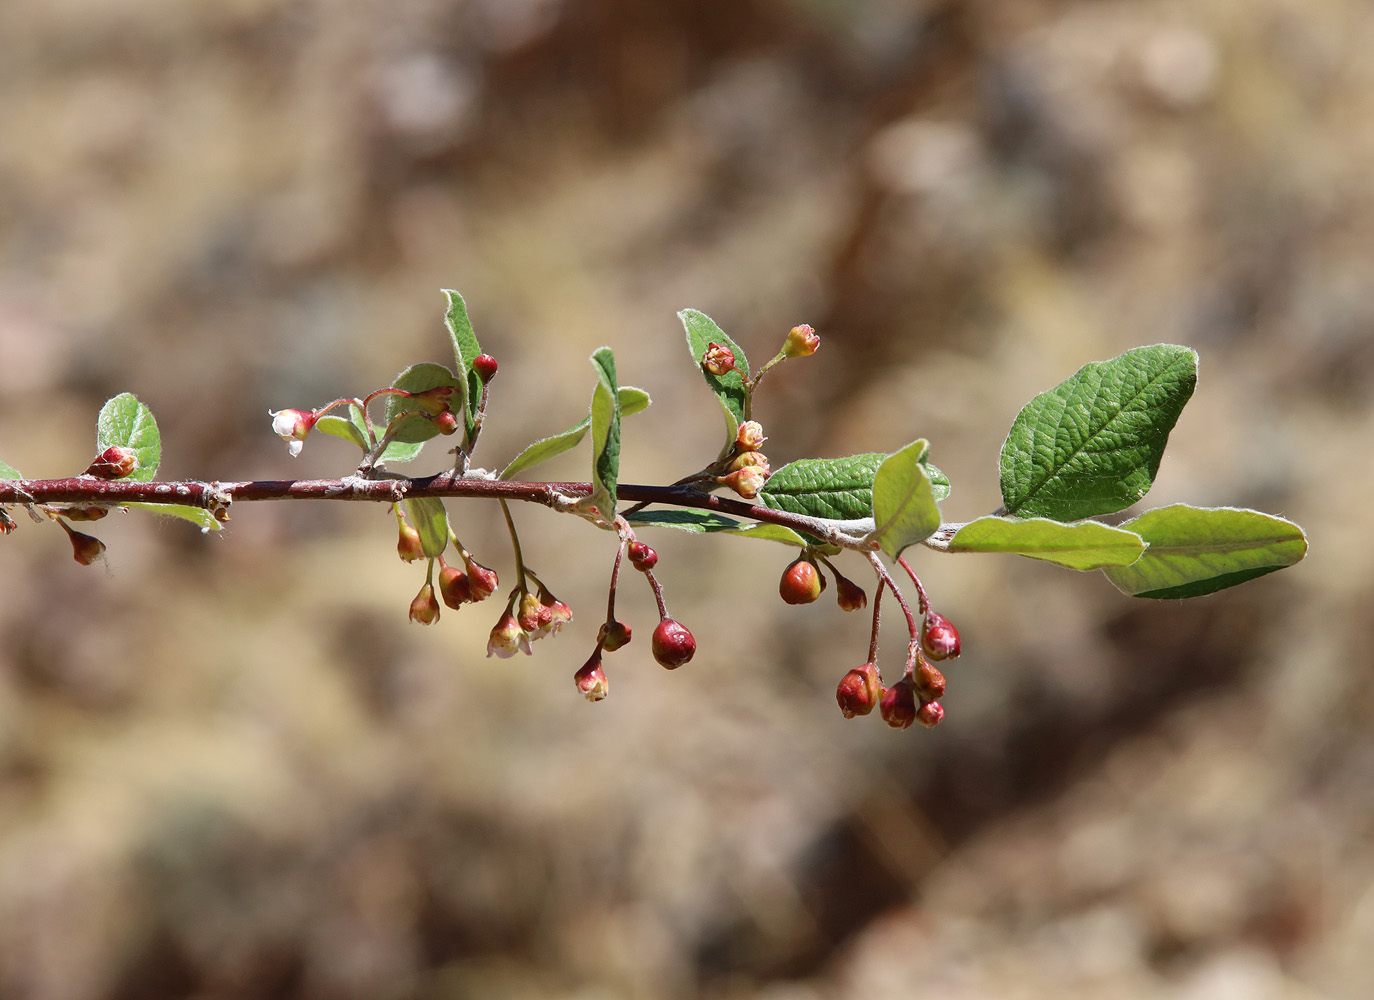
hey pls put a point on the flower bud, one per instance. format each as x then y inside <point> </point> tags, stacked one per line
<point>939,639</point>
<point>750,436</point>
<point>559,614</point>
<point>6,522</point>
<point>718,359</point>
<point>672,644</point>
<point>453,587</point>
<point>112,463</point>
<point>507,638</point>
<point>86,549</point>
<point>292,426</point>
<point>534,617</point>
<point>613,635</point>
<point>801,341</point>
<point>408,545</point>
<point>859,691</point>
<point>750,460</point>
<point>642,557</point>
<point>930,714</point>
<point>482,582</point>
<point>424,609</point>
<point>485,367</point>
<point>929,682</point>
<point>800,583</point>
<point>446,422</point>
<point>849,595</point>
<point>591,679</point>
<point>747,482</point>
<point>898,705</point>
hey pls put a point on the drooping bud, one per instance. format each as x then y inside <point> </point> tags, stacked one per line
<point>801,582</point>
<point>453,587</point>
<point>408,545</point>
<point>591,679</point>
<point>86,549</point>
<point>939,638</point>
<point>898,705</point>
<point>930,714</point>
<point>859,691</point>
<point>750,436</point>
<point>718,359</point>
<point>673,644</point>
<point>613,635</point>
<point>801,341</point>
<point>534,617</point>
<point>482,582</point>
<point>849,595</point>
<point>747,482</point>
<point>292,426</point>
<point>642,557</point>
<point>559,614</point>
<point>424,609</point>
<point>485,367</point>
<point>446,422</point>
<point>749,460</point>
<point>507,638</point>
<point>114,462</point>
<point>929,682</point>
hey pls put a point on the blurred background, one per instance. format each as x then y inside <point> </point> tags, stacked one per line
<point>230,768</point>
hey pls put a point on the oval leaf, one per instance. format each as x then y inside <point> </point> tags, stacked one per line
<point>835,488</point>
<point>465,350</point>
<point>632,401</point>
<point>1199,550</point>
<point>904,510</point>
<point>729,388</point>
<point>126,422</point>
<point>706,522</point>
<point>1092,444</point>
<point>605,418</point>
<point>340,428</point>
<point>1082,546</point>
<point>431,521</point>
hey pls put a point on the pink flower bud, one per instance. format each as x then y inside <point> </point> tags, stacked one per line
<point>747,482</point>
<point>859,691</point>
<point>591,679</point>
<point>114,462</point>
<point>642,557</point>
<point>446,422</point>
<point>672,644</point>
<point>292,426</point>
<point>453,587</point>
<point>801,341</point>
<point>939,639</point>
<point>424,609</point>
<point>481,580</point>
<point>507,638</point>
<point>408,545</point>
<point>930,714</point>
<point>485,367</point>
<point>750,436</point>
<point>559,614</point>
<point>613,635</point>
<point>898,705</point>
<point>718,359</point>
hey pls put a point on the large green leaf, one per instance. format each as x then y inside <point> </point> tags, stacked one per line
<point>1092,444</point>
<point>465,350</point>
<point>1082,546</point>
<point>431,521</point>
<point>632,401</point>
<point>1199,550</point>
<point>836,488</point>
<point>904,510</point>
<point>605,434</point>
<point>729,388</point>
<point>126,422</point>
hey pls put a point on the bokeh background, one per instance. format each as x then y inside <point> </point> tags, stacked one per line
<point>230,768</point>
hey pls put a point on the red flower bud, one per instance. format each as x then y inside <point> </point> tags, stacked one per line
<point>112,463</point>
<point>613,635</point>
<point>930,683</point>
<point>453,587</point>
<point>718,359</point>
<point>482,582</point>
<point>850,595</point>
<point>591,679</point>
<point>939,639</point>
<point>898,705</point>
<point>859,691</point>
<point>750,437</point>
<point>642,557</point>
<point>446,422</point>
<point>801,341</point>
<point>485,367</point>
<point>930,714</point>
<point>801,582</point>
<point>424,609</point>
<point>408,545</point>
<point>672,644</point>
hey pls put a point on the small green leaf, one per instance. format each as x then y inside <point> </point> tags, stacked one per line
<point>198,516</point>
<point>632,401</point>
<point>1082,546</point>
<point>939,482</point>
<point>904,510</point>
<point>340,428</point>
<point>835,488</point>
<point>707,522</point>
<point>605,417</point>
<point>1199,550</point>
<point>417,429</point>
<point>9,472</point>
<point>729,388</point>
<point>780,533</point>
<point>465,350</point>
<point>431,521</point>
<point>1092,444</point>
<point>126,422</point>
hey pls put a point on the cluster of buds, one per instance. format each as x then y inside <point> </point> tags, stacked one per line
<point>746,469</point>
<point>803,582</point>
<point>527,618</point>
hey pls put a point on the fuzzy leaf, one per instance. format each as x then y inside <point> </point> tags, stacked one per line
<point>729,388</point>
<point>1082,546</point>
<point>340,428</point>
<point>836,488</point>
<point>904,510</point>
<point>605,416</point>
<point>126,422</point>
<point>1199,550</point>
<point>418,378</point>
<point>430,519</point>
<point>1092,444</point>
<point>198,516</point>
<point>632,401</point>
<point>704,521</point>
<point>9,472</point>
<point>465,350</point>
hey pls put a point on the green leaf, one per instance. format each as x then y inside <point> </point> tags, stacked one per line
<point>632,401</point>
<point>707,522</point>
<point>605,434</point>
<point>9,472</point>
<point>465,350</point>
<point>836,488</point>
<point>939,482</point>
<point>126,422</point>
<point>904,510</point>
<point>431,521</point>
<point>1199,550</point>
<point>1082,546</point>
<point>340,428</point>
<point>1092,444</point>
<point>419,378</point>
<point>729,388</point>
<point>198,516</point>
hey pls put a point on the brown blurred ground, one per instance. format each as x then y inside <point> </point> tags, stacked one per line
<point>229,768</point>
